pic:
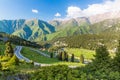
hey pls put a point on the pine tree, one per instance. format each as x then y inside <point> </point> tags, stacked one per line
<point>60,56</point>
<point>51,55</point>
<point>81,58</point>
<point>102,57</point>
<point>116,60</point>
<point>66,56</point>
<point>63,56</point>
<point>72,58</point>
<point>9,50</point>
<point>0,65</point>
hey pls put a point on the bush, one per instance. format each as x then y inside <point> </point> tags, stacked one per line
<point>9,50</point>
<point>51,55</point>
<point>81,58</point>
<point>31,62</point>
<point>59,72</point>
<point>14,60</point>
<point>5,58</point>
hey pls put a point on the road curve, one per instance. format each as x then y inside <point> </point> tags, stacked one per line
<point>17,51</point>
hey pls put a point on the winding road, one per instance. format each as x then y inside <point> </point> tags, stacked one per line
<point>17,51</point>
<point>46,55</point>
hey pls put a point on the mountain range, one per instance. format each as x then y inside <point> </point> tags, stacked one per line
<point>38,30</point>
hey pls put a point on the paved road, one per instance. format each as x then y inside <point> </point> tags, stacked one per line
<point>17,51</point>
<point>38,51</point>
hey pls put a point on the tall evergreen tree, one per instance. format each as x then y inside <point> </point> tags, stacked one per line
<point>102,57</point>
<point>9,50</point>
<point>81,58</point>
<point>0,66</point>
<point>60,56</point>
<point>66,56</point>
<point>72,58</point>
<point>51,55</point>
<point>116,60</point>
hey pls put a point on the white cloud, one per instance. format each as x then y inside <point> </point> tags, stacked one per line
<point>57,14</point>
<point>93,9</point>
<point>74,11</point>
<point>34,10</point>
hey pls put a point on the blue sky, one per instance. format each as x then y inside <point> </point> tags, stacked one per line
<point>49,9</point>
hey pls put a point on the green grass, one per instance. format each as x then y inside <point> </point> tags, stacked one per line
<point>2,48</point>
<point>69,64</point>
<point>32,55</point>
<point>88,54</point>
<point>36,57</point>
<point>46,52</point>
<point>26,67</point>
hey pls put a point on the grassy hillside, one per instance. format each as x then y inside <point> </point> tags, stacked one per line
<point>26,29</point>
<point>88,54</point>
<point>68,31</point>
<point>90,41</point>
<point>17,40</point>
<point>36,57</point>
<point>33,29</point>
<point>32,55</point>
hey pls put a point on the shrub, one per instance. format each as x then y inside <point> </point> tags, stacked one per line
<point>51,55</point>
<point>9,50</point>
<point>72,58</point>
<point>14,60</point>
<point>81,58</point>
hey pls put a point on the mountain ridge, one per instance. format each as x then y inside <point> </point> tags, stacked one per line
<point>39,30</point>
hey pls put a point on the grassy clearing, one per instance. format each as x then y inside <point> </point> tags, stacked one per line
<point>69,64</point>
<point>36,57</point>
<point>88,54</point>
<point>32,55</point>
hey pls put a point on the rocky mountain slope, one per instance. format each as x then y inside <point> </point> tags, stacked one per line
<point>27,29</point>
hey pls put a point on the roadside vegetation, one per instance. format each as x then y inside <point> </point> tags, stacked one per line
<point>64,67</point>
<point>102,67</point>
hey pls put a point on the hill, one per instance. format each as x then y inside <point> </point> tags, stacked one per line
<point>89,41</point>
<point>17,40</point>
<point>27,29</point>
<point>38,30</point>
